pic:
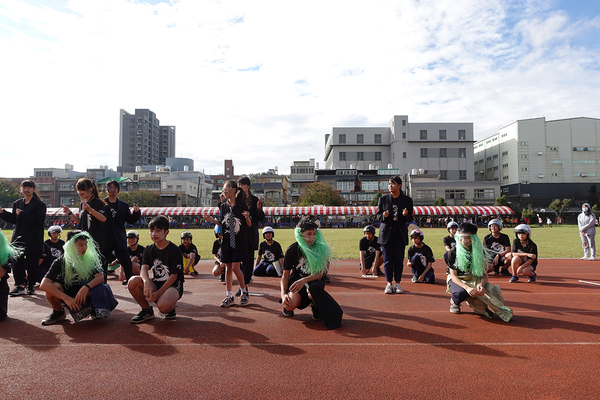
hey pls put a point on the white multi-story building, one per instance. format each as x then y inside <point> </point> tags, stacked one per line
<point>536,161</point>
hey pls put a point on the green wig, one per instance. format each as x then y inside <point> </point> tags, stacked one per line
<point>474,261</point>
<point>315,256</point>
<point>81,267</point>
<point>8,251</point>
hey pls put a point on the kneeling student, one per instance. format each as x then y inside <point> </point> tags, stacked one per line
<point>166,286</point>
<point>303,282</point>
<point>191,258</point>
<point>420,259</point>
<point>77,280</point>
<point>524,255</point>
<point>468,279</point>
<point>371,258</point>
<point>270,255</point>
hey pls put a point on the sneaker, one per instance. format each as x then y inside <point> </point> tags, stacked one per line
<point>244,299</point>
<point>316,314</point>
<point>388,289</point>
<point>454,308</point>
<point>505,272</point>
<point>54,317</point>
<point>93,314</point>
<point>30,291</point>
<point>414,279</point>
<point>222,279</point>
<point>171,314</point>
<point>495,272</point>
<point>227,301</point>
<point>514,279</point>
<point>584,258</point>
<point>194,273</point>
<point>17,291</point>
<point>398,289</point>
<point>287,313</point>
<point>238,293</point>
<point>143,315</point>
<point>592,258</point>
<point>532,278</point>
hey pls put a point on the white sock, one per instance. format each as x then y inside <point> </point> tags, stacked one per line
<point>229,293</point>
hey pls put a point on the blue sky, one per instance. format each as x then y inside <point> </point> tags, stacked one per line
<point>262,82</point>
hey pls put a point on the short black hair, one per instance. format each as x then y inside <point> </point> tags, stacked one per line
<point>72,233</point>
<point>467,227</point>
<point>244,181</point>
<point>159,222</point>
<point>397,179</point>
<point>307,224</point>
<point>112,182</point>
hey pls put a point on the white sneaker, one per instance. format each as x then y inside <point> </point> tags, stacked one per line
<point>584,258</point>
<point>398,289</point>
<point>454,308</point>
<point>592,258</point>
<point>388,289</point>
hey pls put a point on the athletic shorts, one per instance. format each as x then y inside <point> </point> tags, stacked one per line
<point>178,285</point>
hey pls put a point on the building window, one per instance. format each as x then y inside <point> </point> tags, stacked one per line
<point>556,162</point>
<point>360,138</point>
<point>504,153</point>
<point>455,194</point>
<point>442,134</point>
<point>403,154</point>
<point>342,156</point>
<point>462,134</point>
<point>378,138</point>
<point>525,169</point>
<point>505,177</point>
<point>423,135</point>
<point>462,174</point>
<point>444,174</point>
<point>524,143</point>
<point>524,155</point>
<point>360,156</point>
<point>462,153</point>
<point>342,138</point>
<point>427,194</point>
<point>554,148</point>
<point>424,153</point>
<point>504,165</point>
<point>442,153</point>
<point>554,174</point>
<point>370,185</point>
<point>485,194</point>
<point>403,122</point>
<point>377,156</point>
<point>403,135</point>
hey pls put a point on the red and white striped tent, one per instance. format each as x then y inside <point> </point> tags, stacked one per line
<point>314,210</point>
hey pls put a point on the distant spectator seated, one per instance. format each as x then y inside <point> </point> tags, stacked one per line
<point>498,245</point>
<point>77,280</point>
<point>420,259</point>
<point>371,258</point>
<point>270,256</point>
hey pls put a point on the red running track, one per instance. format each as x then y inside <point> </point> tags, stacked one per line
<point>406,346</point>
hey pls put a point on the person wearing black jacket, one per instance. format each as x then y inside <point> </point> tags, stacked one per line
<point>28,215</point>
<point>115,237</point>
<point>394,211</point>
<point>256,215</point>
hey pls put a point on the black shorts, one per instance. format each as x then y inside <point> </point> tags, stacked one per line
<point>178,285</point>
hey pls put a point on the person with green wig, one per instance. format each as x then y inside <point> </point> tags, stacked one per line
<point>77,280</point>
<point>9,254</point>
<point>468,264</point>
<point>305,267</point>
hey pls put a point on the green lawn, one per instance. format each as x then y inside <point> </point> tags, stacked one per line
<point>557,242</point>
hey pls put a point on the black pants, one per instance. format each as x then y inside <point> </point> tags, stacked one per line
<point>3,297</point>
<point>26,268</point>
<point>248,265</point>
<point>122,256</point>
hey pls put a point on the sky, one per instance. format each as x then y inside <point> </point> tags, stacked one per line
<point>263,82</point>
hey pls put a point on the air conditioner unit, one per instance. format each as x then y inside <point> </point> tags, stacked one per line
<point>540,153</point>
<point>540,175</point>
<point>583,175</point>
<point>482,172</point>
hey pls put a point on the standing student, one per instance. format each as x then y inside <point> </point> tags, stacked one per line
<point>234,247</point>
<point>115,236</point>
<point>92,214</point>
<point>165,287</point>
<point>256,215</point>
<point>586,221</point>
<point>8,254</point>
<point>28,215</point>
<point>394,211</point>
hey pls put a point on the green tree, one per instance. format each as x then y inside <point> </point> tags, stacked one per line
<point>501,201</point>
<point>375,199</point>
<point>319,193</point>
<point>9,192</point>
<point>595,209</point>
<point>142,198</point>
<point>468,203</point>
<point>593,196</point>
<point>560,206</point>
<point>439,202</point>
<point>529,214</point>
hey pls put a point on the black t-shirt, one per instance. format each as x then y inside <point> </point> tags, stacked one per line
<point>90,224</point>
<point>449,241</point>
<point>190,249</point>
<point>51,252</point>
<point>529,248</point>
<point>425,252</point>
<point>396,212</point>
<point>271,252</point>
<point>216,247</point>
<point>294,262</point>
<point>496,245</point>
<point>138,252</point>
<point>452,261</point>
<point>234,223</point>
<point>369,247</point>
<point>164,263</point>
<point>56,274</point>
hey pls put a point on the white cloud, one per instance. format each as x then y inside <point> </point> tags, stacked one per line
<point>263,82</point>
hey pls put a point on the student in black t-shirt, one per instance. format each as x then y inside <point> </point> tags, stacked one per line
<point>190,253</point>
<point>219,268</point>
<point>165,287</point>
<point>53,249</point>
<point>450,240</point>
<point>498,244</point>
<point>524,255</point>
<point>270,255</point>
<point>135,252</point>
<point>370,253</point>
<point>420,259</point>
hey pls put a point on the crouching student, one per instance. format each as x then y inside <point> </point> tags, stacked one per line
<point>524,255</point>
<point>371,258</point>
<point>191,258</point>
<point>219,268</point>
<point>165,287</point>
<point>468,278</point>
<point>270,255</point>
<point>303,281</point>
<point>450,240</point>
<point>8,254</point>
<point>498,244</point>
<point>77,280</point>
<point>420,259</point>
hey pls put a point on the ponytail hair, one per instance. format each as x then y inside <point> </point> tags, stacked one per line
<point>240,195</point>
<point>86,184</point>
<point>31,184</point>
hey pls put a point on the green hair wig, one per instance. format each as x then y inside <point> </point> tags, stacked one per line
<point>315,256</point>
<point>8,251</point>
<point>83,267</point>
<point>474,261</point>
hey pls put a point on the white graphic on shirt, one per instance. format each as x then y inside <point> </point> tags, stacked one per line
<point>269,256</point>
<point>497,248</point>
<point>371,250</point>
<point>55,252</point>
<point>159,270</point>
<point>395,212</point>
<point>303,267</point>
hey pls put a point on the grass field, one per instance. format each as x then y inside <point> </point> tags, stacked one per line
<point>557,242</point>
